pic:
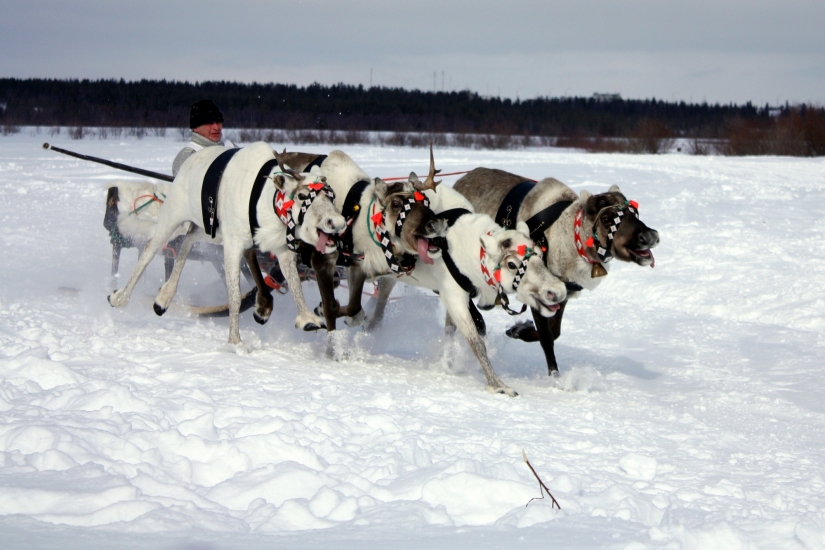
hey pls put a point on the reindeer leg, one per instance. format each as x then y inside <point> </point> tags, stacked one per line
<point>549,329</point>
<point>232,254</point>
<point>385,286</point>
<point>354,313</point>
<point>324,266</point>
<point>460,314</point>
<point>116,248</point>
<point>263,303</point>
<point>120,298</point>
<point>170,287</point>
<point>305,319</point>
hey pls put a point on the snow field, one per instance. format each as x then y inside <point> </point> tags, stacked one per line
<point>687,415</point>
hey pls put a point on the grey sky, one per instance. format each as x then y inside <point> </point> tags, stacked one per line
<point>723,50</point>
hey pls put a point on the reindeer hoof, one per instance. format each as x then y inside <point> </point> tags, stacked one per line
<point>258,319</point>
<point>518,329</point>
<point>319,311</point>
<point>312,327</point>
<point>159,311</point>
<point>355,320</point>
<point>504,390</point>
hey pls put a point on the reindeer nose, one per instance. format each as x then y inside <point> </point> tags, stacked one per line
<point>649,238</point>
<point>333,225</point>
<point>551,297</point>
<point>437,226</point>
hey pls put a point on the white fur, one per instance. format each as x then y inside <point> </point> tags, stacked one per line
<point>183,204</point>
<point>342,173</point>
<point>465,239</point>
<point>139,226</point>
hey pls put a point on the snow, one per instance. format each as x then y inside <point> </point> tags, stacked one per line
<point>688,413</point>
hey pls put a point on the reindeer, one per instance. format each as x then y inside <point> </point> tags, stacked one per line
<point>390,227</point>
<point>478,259</point>
<point>582,233</point>
<point>273,211</point>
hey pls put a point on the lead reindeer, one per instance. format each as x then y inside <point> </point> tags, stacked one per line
<point>260,203</point>
<point>582,234</point>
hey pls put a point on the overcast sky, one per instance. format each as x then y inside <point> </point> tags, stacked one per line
<point>719,51</point>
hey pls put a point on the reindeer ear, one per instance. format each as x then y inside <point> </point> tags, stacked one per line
<point>490,244</point>
<point>279,181</point>
<point>380,189</point>
<point>614,189</point>
<point>584,195</point>
<point>414,178</point>
<point>315,171</point>
<point>521,227</point>
<point>591,207</point>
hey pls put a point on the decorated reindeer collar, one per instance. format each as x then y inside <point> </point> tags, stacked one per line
<point>381,237</point>
<point>283,208</point>
<point>604,252</point>
<point>494,279</point>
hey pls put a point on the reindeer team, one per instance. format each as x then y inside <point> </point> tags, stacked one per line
<point>491,236</point>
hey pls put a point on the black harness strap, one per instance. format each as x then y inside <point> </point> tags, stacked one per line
<point>257,189</point>
<point>452,215</point>
<point>463,281</point>
<point>507,215</point>
<point>209,191</point>
<point>317,162</point>
<point>350,211</point>
<point>542,220</point>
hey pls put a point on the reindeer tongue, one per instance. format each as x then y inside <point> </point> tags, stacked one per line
<point>321,246</point>
<point>652,260</point>
<point>423,246</point>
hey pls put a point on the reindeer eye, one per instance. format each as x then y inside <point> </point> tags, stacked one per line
<point>396,203</point>
<point>303,196</point>
<point>512,265</point>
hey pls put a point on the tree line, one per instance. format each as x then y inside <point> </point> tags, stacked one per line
<point>162,103</point>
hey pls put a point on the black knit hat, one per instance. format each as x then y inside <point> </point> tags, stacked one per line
<point>204,112</point>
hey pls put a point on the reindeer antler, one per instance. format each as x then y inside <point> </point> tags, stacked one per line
<point>290,171</point>
<point>430,182</point>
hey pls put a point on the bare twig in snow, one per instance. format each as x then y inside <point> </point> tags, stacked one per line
<point>542,486</point>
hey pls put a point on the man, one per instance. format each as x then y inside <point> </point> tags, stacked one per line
<point>206,123</point>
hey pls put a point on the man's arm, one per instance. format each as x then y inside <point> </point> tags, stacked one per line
<point>184,154</point>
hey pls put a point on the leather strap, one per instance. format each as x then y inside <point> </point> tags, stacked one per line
<point>350,211</point>
<point>507,215</point>
<point>209,191</point>
<point>257,189</point>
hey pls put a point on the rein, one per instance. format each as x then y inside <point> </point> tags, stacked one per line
<point>152,198</point>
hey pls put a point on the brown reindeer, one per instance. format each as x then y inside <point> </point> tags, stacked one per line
<point>581,234</point>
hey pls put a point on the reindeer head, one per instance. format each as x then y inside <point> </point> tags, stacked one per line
<point>411,224</point>
<point>310,201</point>
<point>522,271</point>
<point>618,229</point>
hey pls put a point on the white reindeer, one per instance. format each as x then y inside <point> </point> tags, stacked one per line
<point>488,262</point>
<point>303,203</point>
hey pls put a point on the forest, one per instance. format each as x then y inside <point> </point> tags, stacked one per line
<point>606,123</point>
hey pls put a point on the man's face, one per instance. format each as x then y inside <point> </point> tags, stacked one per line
<point>212,131</point>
